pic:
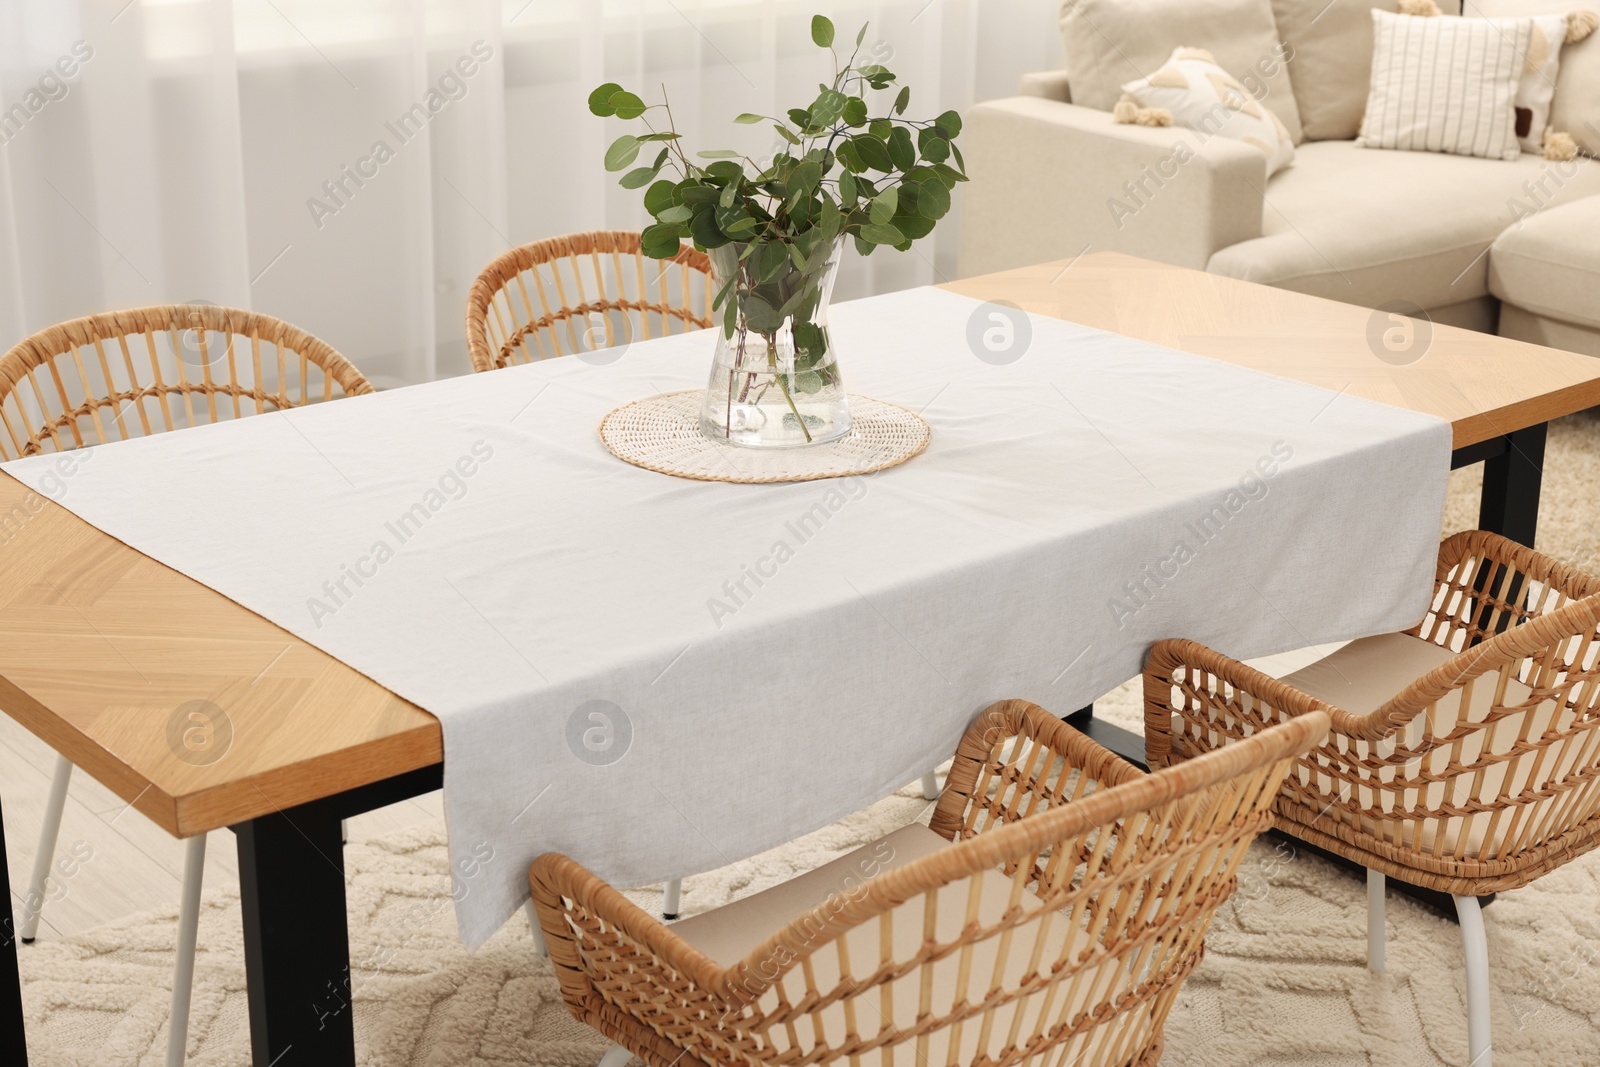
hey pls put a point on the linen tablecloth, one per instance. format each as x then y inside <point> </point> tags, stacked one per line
<point>659,676</point>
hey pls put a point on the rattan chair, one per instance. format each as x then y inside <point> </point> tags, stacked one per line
<point>132,373</point>
<point>1049,916</point>
<point>1465,753</point>
<point>581,293</point>
<point>125,374</point>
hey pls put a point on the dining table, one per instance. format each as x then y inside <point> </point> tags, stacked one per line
<point>315,741</point>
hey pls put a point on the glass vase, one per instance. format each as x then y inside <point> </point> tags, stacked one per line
<point>774,378</point>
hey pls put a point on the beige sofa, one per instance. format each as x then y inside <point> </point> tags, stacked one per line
<point>1454,235</point>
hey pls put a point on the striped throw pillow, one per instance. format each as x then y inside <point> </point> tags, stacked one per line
<point>1445,85</point>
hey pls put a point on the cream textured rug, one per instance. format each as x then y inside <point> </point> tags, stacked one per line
<point>1284,982</point>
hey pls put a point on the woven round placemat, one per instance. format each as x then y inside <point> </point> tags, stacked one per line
<point>662,433</point>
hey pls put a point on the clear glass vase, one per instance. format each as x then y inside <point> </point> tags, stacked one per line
<point>774,379</point>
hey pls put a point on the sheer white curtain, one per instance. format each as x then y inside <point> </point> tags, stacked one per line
<point>350,165</point>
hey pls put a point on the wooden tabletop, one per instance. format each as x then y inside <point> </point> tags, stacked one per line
<point>138,674</point>
<point>1486,386</point>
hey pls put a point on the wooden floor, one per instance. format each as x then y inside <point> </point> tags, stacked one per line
<point>128,865</point>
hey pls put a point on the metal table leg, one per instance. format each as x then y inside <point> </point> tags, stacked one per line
<point>296,932</point>
<point>296,938</point>
<point>1511,482</point>
<point>1125,743</point>
<point>13,1038</point>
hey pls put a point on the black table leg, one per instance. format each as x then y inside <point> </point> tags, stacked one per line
<point>296,938</point>
<point>1511,479</point>
<point>13,1038</point>
<point>1125,743</point>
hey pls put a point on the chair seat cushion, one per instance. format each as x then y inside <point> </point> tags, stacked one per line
<point>730,933</point>
<point>1550,263</point>
<point>1363,675</point>
<point>1368,226</point>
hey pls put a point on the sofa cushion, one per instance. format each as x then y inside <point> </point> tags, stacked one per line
<point>1549,263</point>
<point>1329,46</point>
<point>1199,95</point>
<point>1446,84</point>
<point>1368,227</point>
<point>1576,107</point>
<point>1108,42</point>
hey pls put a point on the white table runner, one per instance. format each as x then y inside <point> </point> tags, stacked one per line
<point>658,677</point>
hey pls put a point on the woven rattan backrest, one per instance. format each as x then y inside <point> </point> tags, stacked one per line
<point>1496,751</point>
<point>132,373</point>
<point>1072,954</point>
<point>582,293</point>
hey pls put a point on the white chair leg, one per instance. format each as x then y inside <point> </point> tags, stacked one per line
<point>1477,949</point>
<point>615,1056</point>
<point>930,786</point>
<point>194,868</point>
<point>669,899</point>
<point>538,933</point>
<point>33,903</point>
<point>1375,887</point>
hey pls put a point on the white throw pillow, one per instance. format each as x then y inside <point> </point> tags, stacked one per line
<point>1445,84</point>
<point>1199,95</point>
<point>1538,85</point>
<point>1575,111</point>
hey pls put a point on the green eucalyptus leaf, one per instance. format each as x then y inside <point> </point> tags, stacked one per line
<point>863,246</point>
<point>703,228</point>
<point>862,34</point>
<point>850,159</point>
<point>760,314</point>
<point>726,170</point>
<point>882,234</point>
<point>783,131</point>
<point>884,203</point>
<point>600,99</point>
<point>901,152</point>
<point>659,197</point>
<point>873,152</point>
<point>697,195</point>
<point>717,153</point>
<point>809,338</point>
<point>730,192</point>
<point>913,226</point>
<point>627,105</point>
<point>623,151</point>
<point>948,176</point>
<point>829,107</point>
<point>659,136</point>
<point>855,112</point>
<point>639,178</point>
<point>749,119</point>
<point>949,124</point>
<point>961,164</point>
<point>660,241</point>
<point>677,213</point>
<point>822,31</point>
<point>933,200</point>
<point>800,117</point>
<point>903,100</point>
<point>933,146</point>
<point>847,188</point>
<point>730,318</point>
<point>880,128</point>
<point>722,294</point>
